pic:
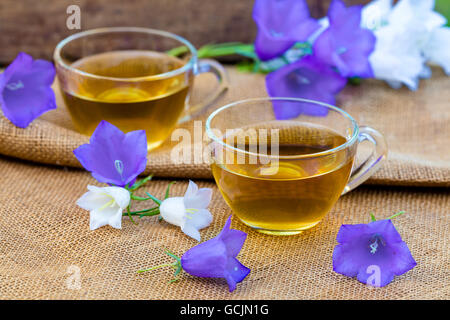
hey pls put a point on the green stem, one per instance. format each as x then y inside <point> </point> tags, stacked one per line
<point>154,211</point>
<point>129,214</point>
<point>173,265</point>
<point>150,197</point>
<point>150,213</point>
<point>396,215</point>
<point>139,198</point>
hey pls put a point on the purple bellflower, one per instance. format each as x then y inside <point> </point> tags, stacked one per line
<point>112,156</point>
<point>344,44</point>
<point>281,23</point>
<point>306,78</point>
<point>215,258</point>
<point>372,252</point>
<point>25,89</point>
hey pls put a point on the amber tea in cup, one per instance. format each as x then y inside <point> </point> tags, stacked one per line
<point>286,182</point>
<point>131,78</point>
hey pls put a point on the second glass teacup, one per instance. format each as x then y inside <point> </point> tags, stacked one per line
<point>134,78</point>
<point>283,176</point>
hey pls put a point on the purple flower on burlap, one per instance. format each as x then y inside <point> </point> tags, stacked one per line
<point>25,89</point>
<point>307,78</point>
<point>216,258</point>
<point>372,252</point>
<point>281,23</point>
<point>344,44</point>
<point>112,156</point>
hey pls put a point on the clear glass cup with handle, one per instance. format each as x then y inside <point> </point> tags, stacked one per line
<point>135,78</point>
<point>282,177</point>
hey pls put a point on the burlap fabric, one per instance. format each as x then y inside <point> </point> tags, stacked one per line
<point>416,126</point>
<point>45,237</point>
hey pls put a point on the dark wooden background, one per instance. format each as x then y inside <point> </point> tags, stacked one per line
<point>36,27</point>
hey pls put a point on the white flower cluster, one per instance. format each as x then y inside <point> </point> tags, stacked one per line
<point>190,212</point>
<point>408,34</point>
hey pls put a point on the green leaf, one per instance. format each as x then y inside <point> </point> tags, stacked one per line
<point>155,200</point>
<point>173,255</point>
<point>175,52</point>
<point>140,183</point>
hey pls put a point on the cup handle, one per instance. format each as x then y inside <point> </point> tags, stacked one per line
<point>214,67</point>
<point>373,161</point>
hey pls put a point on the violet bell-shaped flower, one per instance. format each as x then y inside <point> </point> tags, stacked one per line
<point>25,89</point>
<point>112,156</point>
<point>216,258</point>
<point>373,252</point>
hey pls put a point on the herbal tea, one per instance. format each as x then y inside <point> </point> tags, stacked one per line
<point>154,105</point>
<point>298,193</point>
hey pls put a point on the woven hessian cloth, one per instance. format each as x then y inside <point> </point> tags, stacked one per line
<point>44,235</point>
<point>416,126</point>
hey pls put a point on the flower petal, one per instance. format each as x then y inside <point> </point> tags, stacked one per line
<point>342,263</point>
<point>385,275</point>
<point>92,200</point>
<point>437,49</point>
<point>345,45</point>
<point>197,198</point>
<point>280,25</point>
<point>121,195</point>
<point>191,231</point>
<point>235,273</point>
<point>234,240</point>
<point>307,78</point>
<point>200,219</point>
<point>100,218</point>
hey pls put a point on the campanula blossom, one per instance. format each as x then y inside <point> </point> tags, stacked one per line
<point>112,156</point>
<point>373,252</point>
<point>189,212</point>
<point>25,89</point>
<point>105,205</point>
<point>281,23</point>
<point>408,35</point>
<point>307,78</point>
<point>216,258</point>
<point>344,44</point>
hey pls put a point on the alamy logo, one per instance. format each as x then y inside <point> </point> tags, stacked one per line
<point>74,19</point>
<point>73,281</point>
<point>374,280</point>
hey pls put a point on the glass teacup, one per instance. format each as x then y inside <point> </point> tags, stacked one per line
<point>283,176</point>
<point>134,78</point>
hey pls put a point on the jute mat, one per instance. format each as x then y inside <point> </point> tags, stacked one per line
<point>45,239</point>
<point>416,126</point>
